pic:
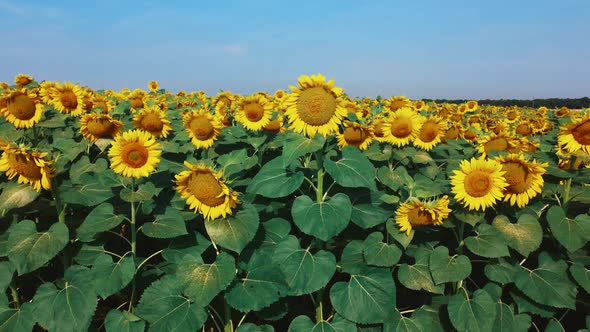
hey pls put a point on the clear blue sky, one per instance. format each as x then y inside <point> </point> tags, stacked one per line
<point>420,49</point>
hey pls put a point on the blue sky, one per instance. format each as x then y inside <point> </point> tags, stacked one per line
<point>420,49</point>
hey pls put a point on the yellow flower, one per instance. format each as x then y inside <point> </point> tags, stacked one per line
<point>472,106</point>
<point>397,102</point>
<point>575,136</point>
<point>134,153</point>
<point>21,107</point>
<point>254,112</point>
<point>494,142</point>
<point>153,120</point>
<point>414,213</point>
<point>21,80</point>
<point>276,125</point>
<point>30,167</point>
<point>94,126</point>
<point>402,126</point>
<point>525,178</point>
<point>153,86</point>
<point>355,134</point>
<point>479,183</point>
<point>223,101</point>
<point>68,98</point>
<point>203,128</point>
<point>205,191</point>
<point>315,106</point>
<point>431,133</point>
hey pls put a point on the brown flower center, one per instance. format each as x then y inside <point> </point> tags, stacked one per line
<point>100,127</point>
<point>397,104</point>
<point>496,144</point>
<point>134,154</point>
<point>581,133</point>
<point>469,135</point>
<point>523,129</point>
<point>202,128</point>
<point>354,136</point>
<point>562,112</point>
<point>316,106</point>
<point>206,188</point>
<point>428,132</point>
<point>477,183</point>
<point>136,102</point>
<point>22,107</point>
<point>517,177</point>
<point>274,126</point>
<point>253,111</point>
<point>511,115</point>
<point>378,128</point>
<point>69,100</point>
<point>457,117</point>
<point>419,217</point>
<point>401,127</point>
<point>151,122</point>
<point>25,166</point>
<point>452,133</point>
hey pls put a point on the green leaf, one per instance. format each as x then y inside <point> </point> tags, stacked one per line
<point>323,220</point>
<point>193,245</point>
<point>101,218</point>
<point>275,230</point>
<point>445,268</point>
<point>571,233</point>
<point>548,284</point>
<point>165,226</point>
<point>352,260</point>
<point>262,285</point>
<point>581,276</point>
<point>16,320</point>
<point>69,308</point>
<point>301,324</point>
<point>475,314</point>
<point>166,309</point>
<point>401,237</point>
<point>554,326</point>
<point>418,276</point>
<point>469,217</point>
<point>249,327</point>
<point>272,180</point>
<point>88,253</point>
<point>395,178</point>
<point>506,320</point>
<point>123,321</point>
<point>303,271</point>
<point>110,277</point>
<point>15,196</point>
<point>352,170</point>
<point>372,289</point>
<point>29,249</point>
<point>83,166</point>
<point>378,253</point>
<point>428,319</point>
<point>525,304</point>
<point>297,145</point>
<point>144,192</point>
<point>524,236</point>
<point>234,232</point>
<point>398,323</point>
<point>489,242</point>
<point>90,193</point>
<point>236,161</point>
<point>6,273</point>
<point>202,282</point>
<point>501,271</point>
<point>369,215</point>
<point>378,152</point>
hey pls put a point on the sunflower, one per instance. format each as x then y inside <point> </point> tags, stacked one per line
<point>562,112</point>
<point>137,99</point>
<point>575,136</point>
<point>205,191</point>
<point>455,131</point>
<point>22,108</point>
<point>223,101</point>
<point>202,127</point>
<point>525,178</point>
<point>153,120</point>
<point>495,142</point>
<point>472,106</point>
<point>415,213</point>
<point>315,107</point>
<point>21,80</point>
<point>402,126</point>
<point>377,125</point>
<point>46,91</point>
<point>276,125</point>
<point>94,126</point>
<point>397,102</point>
<point>512,114</point>
<point>254,112</point>
<point>479,183</point>
<point>134,153</point>
<point>4,86</point>
<point>68,98</point>
<point>431,132</point>
<point>524,128</point>
<point>419,105</point>
<point>355,134</point>
<point>469,134</point>
<point>31,167</point>
<point>153,86</point>
<point>100,101</point>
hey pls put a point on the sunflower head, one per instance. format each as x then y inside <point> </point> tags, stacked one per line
<point>94,126</point>
<point>205,191</point>
<point>415,213</point>
<point>22,80</point>
<point>493,142</point>
<point>31,167</point>
<point>524,178</point>
<point>153,120</point>
<point>22,108</point>
<point>153,86</point>
<point>203,127</point>
<point>355,134</point>
<point>402,126</point>
<point>276,125</point>
<point>431,132</point>
<point>254,112</point>
<point>562,112</point>
<point>68,98</point>
<point>134,153</point>
<point>479,183</point>
<point>575,136</point>
<point>397,102</point>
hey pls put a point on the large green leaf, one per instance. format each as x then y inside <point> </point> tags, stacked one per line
<point>165,226</point>
<point>338,324</point>
<point>101,218</point>
<point>15,196</point>
<point>428,318</point>
<point>16,319</point>
<point>525,305</point>
<point>6,274</point>
<point>548,284</point>
<point>506,320</point>
<point>166,309</point>
<point>489,242</point>
<point>143,192</point>
<point>236,161</point>
<point>524,236</point>
<point>303,271</point>
<point>69,308</point>
<point>445,268</point>
<point>501,271</point>
<point>273,181</point>
<point>123,321</point>
<point>110,277</point>
<point>202,282</point>
<point>234,232</point>
<point>353,169</point>
<point>372,289</point>
<point>323,220</point>
<point>571,233</point>
<point>369,215</point>
<point>83,166</point>
<point>418,276</point>
<point>581,276</point>
<point>260,286</point>
<point>398,323</point>
<point>249,327</point>
<point>352,260</point>
<point>90,191</point>
<point>275,230</point>
<point>472,314</point>
<point>378,253</point>
<point>297,145</point>
<point>395,178</point>
<point>29,249</point>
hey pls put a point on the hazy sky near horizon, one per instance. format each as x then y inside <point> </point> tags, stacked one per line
<point>420,49</point>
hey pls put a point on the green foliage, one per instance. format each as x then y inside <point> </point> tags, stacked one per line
<point>325,219</point>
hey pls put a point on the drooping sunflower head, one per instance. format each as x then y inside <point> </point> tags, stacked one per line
<point>479,183</point>
<point>431,132</point>
<point>223,101</point>
<point>276,125</point>
<point>402,126</point>
<point>524,178</point>
<point>94,126</point>
<point>562,112</point>
<point>254,112</point>
<point>203,127</point>
<point>416,213</point>
<point>154,86</point>
<point>355,134</point>
<point>575,136</point>
<point>68,98</point>
<point>23,108</point>
<point>134,153</point>
<point>397,102</point>
<point>315,106</point>
<point>153,120</point>
<point>205,191</point>
<point>494,142</point>
<point>22,80</point>
<point>102,102</point>
<point>137,99</point>
<point>31,167</point>
<point>455,131</point>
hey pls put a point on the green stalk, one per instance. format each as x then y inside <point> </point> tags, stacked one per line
<point>229,325</point>
<point>133,241</point>
<point>566,192</point>
<point>320,177</point>
<point>14,293</point>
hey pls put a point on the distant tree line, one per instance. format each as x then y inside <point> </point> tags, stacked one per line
<point>571,103</point>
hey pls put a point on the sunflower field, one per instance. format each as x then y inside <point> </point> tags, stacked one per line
<point>299,210</point>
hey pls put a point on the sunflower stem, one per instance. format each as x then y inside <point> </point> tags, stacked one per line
<point>566,192</point>
<point>229,325</point>
<point>133,244</point>
<point>320,177</point>
<point>14,293</point>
